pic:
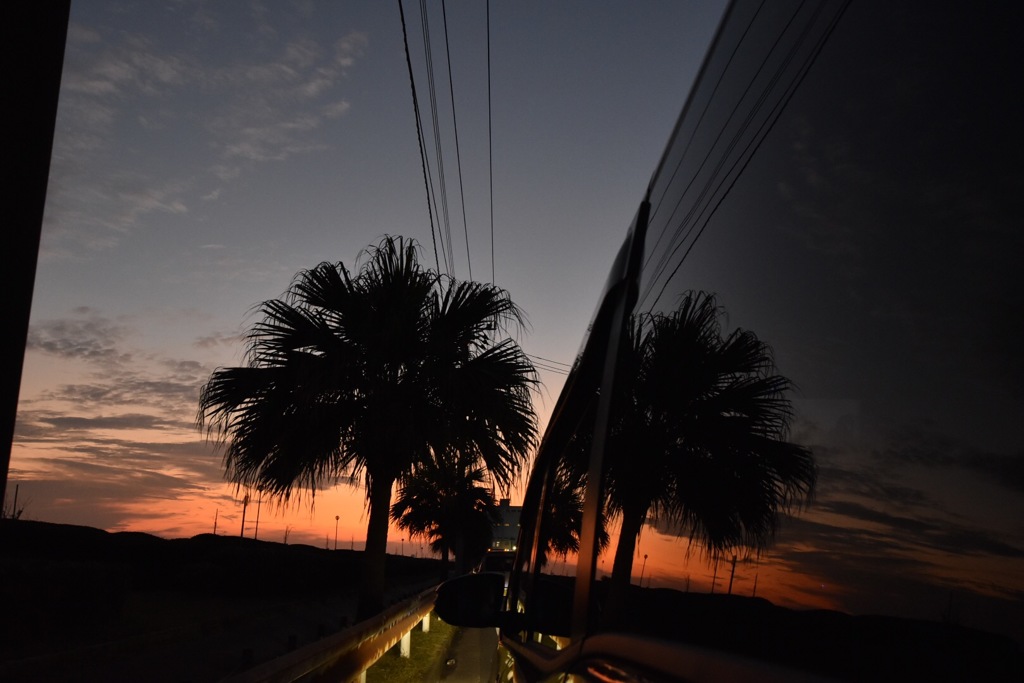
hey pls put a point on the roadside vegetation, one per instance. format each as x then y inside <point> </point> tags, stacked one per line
<point>430,653</point>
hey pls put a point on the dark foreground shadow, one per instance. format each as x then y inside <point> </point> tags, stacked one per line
<point>834,644</point>
<point>137,607</point>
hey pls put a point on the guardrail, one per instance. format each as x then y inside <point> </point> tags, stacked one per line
<point>346,654</point>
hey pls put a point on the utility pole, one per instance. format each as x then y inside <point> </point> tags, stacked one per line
<point>732,574</point>
<point>714,576</point>
<point>245,504</point>
<point>216,514</point>
<point>259,504</point>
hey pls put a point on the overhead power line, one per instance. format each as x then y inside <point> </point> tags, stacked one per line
<point>455,127</point>
<point>551,369</point>
<point>419,134</point>
<point>446,242</point>
<point>490,144</point>
<point>434,175</point>
<point>548,360</point>
<point>549,365</point>
<point>736,155</point>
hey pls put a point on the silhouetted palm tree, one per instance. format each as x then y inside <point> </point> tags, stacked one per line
<point>447,500</point>
<point>700,437</point>
<point>368,375</point>
<point>563,510</point>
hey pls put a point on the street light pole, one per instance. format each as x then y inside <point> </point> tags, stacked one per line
<point>336,518</point>
<point>642,567</point>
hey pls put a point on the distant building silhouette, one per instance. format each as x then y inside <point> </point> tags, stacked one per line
<point>506,531</point>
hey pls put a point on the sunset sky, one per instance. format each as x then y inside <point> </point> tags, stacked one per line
<point>206,152</point>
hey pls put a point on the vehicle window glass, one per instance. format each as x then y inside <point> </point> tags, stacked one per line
<point>846,217</point>
<point>544,596</point>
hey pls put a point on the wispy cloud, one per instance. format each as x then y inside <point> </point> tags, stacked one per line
<point>91,338</point>
<point>67,423</point>
<point>233,341</point>
<point>916,444</point>
<point>257,120</point>
<point>133,102</point>
<point>128,389</point>
<point>133,64</point>
<point>337,109</point>
<point>922,532</point>
<point>111,378</point>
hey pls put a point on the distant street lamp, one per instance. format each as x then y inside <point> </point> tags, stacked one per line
<point>403,546</point>
<point>336,518</point>
<point>642,567</point>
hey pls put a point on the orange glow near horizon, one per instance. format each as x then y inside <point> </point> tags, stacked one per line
<point>671,561</point>
<point>197,507</point>
<point>677,563</point>
<point>168,483</point>
<point>103,474</point>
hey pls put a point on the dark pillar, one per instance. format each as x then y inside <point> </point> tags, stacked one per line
<point>33,37</point>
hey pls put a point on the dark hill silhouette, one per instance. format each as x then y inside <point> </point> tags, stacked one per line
<point>221,565</point>
<point>74,594</point>
<point>826,643</point>
<point>830,643</point>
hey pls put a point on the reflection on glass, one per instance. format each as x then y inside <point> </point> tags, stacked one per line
<point>546,592</point>
<point>698,440</point>
<point>846,180</point>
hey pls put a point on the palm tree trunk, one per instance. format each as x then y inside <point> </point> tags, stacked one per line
<point>373,581</point>
<point>622,568</point>
<point>632,523</point>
